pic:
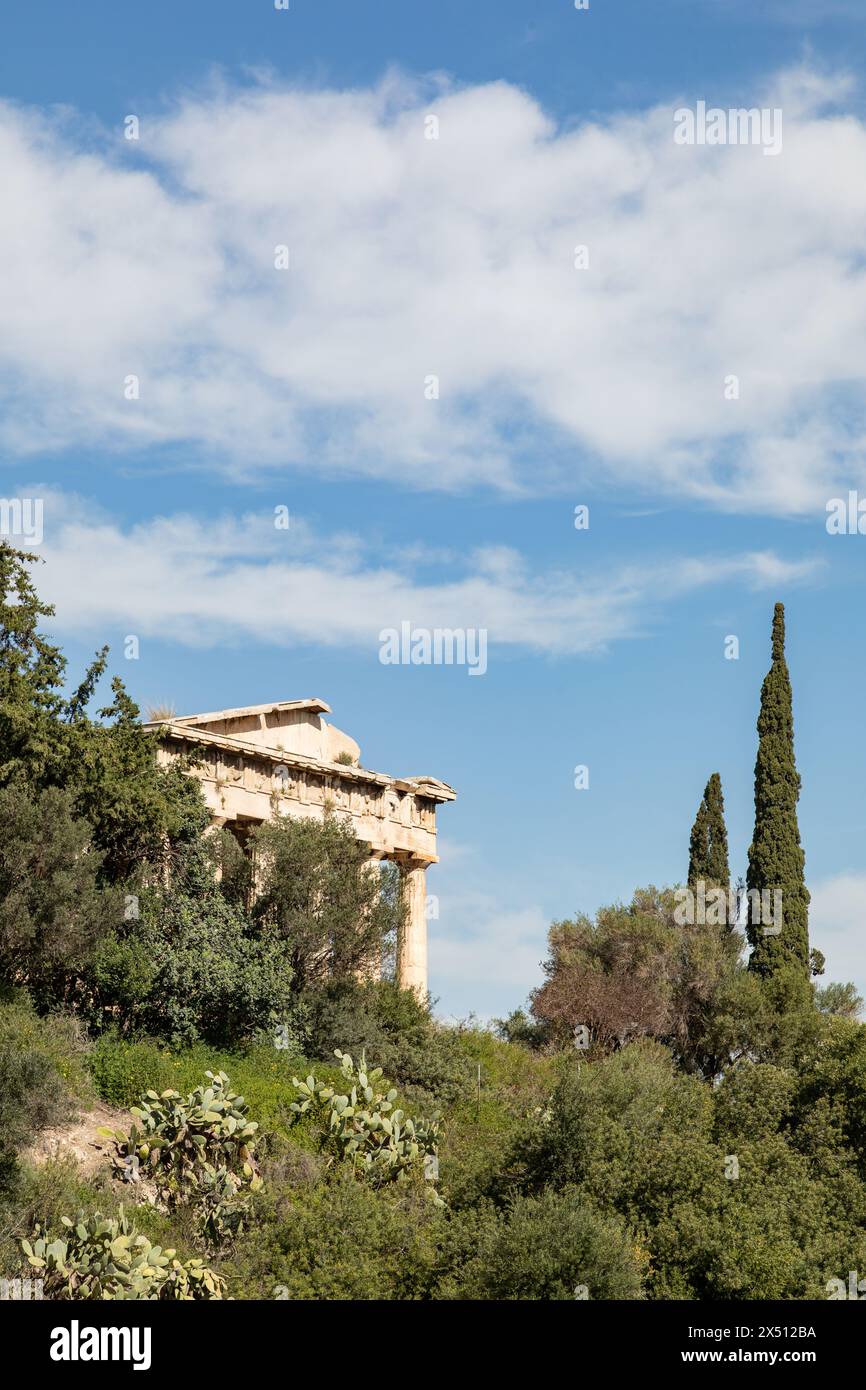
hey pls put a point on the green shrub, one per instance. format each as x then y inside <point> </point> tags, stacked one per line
<point>32,1095</point>
<point>219,982</point>
<point>494,1117</point>
<point>123,1070</point>
<point>100,1257</point>
<point>191,966</point>
<point>339,1241</point>
<point>555,1246</point>
<point>58,1037</point>
<point>316,895</point>
<point>120,975</point>
<point>422,1056</point>
<point>731,1191</point>
<point>53,909</point>
<point>754,1099</point>
<point>518,1027</point>
<point>42,1076</point>
<point>834,1070</point>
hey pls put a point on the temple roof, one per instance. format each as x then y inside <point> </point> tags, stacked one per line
<point>315,706</point>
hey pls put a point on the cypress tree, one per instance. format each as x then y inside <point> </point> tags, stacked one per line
<point>708,846</point>
<point>776,861</point>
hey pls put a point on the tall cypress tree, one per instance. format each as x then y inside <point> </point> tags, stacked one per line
<point>776,861</point>
<point>708,846</point>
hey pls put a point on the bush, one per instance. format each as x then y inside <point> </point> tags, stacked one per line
<point>52,908</point>
<point>422,1056</point>
<point>319,896</point>
<point>32,1095</point>
<point>734,1191</point>
<point>42,1076</point>
<point>754,1099</point>
<point>482,1130</point>
<point>839,999</point>
<point>552,1247</point>
<point>101,1257</point>
<point>192,967</point>
<point>635,972</point>
<point>123,1070</point>
<point>217,982</point>
<point>518,1027</point>
<point>833,1071</point>
<point>119,977</point>
<point>341,1240</point>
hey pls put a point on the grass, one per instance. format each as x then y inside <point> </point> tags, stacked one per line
<point>122,1071</point>
<point>483,1125</point>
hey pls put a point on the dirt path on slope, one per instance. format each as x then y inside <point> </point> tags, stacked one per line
<point>79,1140</point>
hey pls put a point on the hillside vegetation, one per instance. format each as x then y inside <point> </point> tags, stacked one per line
<point>672,1118</point>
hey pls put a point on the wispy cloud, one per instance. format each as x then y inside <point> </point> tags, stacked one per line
<point>205,582</point>
<point>486,956</point>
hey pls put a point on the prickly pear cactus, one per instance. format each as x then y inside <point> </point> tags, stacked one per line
<point>101,1257</point>
<point>363,1128</point>
<point>200,1149</point>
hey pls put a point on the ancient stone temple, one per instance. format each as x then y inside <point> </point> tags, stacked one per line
<point>285,759</point>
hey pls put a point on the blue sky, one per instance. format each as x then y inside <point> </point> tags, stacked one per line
<point>558,387</point>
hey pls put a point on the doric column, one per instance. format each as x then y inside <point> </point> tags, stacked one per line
<point>217,823</point>
<point>412,946</point>
<point>373,970</point>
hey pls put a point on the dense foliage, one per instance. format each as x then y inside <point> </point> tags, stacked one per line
<point>635,973</point>
<point>319,893</point>
<point>188,963</point>
<point>776,859</point>
<point>708,847</point>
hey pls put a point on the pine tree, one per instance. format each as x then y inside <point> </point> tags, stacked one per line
<point>31,670</point>
<point>708,846</point>
<point>136,809</point>
<point>776,861</point>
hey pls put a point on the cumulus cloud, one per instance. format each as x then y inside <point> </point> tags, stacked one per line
<point>451,257</point>
<point>203,582</point>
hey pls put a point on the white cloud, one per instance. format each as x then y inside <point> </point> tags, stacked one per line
<point>837,926</point>
<point>485,957</point>
<point>452,257</point>
<point>488,958</point>
<point>205,582</point>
